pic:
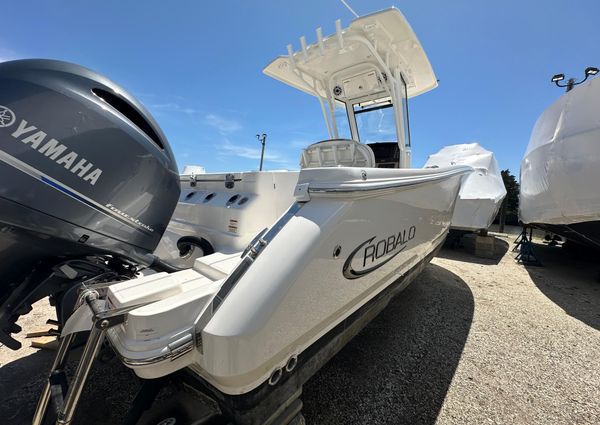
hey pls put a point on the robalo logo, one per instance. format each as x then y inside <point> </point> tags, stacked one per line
<point>374,253</point>
<point>7,117</point>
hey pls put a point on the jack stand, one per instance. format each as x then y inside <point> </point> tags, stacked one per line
<point>524,245</point>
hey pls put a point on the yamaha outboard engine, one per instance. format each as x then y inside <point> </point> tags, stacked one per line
<point>88,184</point>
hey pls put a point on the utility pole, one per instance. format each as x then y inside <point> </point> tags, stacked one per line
<point>263,140</point>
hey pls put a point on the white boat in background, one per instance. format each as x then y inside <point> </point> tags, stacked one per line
<point>482,192</point>
<point>560,172</point>
<point>224,212</point>
<point>248,327</point>
<point>191,170</point>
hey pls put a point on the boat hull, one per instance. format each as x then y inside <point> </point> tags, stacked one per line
<point>333,256</point>
<point>257,406</point>
<point>239,322</point>
<point>226,218</point>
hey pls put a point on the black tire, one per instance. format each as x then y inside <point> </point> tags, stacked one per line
<point>191,248</point>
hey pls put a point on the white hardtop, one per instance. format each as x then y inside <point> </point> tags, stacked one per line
<point>382,39</point>
<point>375,63</point>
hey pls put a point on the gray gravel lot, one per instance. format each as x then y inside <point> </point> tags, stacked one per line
<point>471,341</point>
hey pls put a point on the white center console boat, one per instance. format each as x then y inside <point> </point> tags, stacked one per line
<point>249,323</point>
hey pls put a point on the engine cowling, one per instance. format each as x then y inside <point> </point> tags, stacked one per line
<point>84,170</point>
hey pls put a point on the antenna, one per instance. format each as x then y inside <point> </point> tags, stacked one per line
<point>349,8</point>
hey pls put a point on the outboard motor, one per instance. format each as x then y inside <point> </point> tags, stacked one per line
<point>88,184</point>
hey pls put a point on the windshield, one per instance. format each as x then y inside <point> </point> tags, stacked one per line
<point>375,122</point>
<point>341,119</point>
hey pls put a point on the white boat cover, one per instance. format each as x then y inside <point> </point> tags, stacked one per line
<point>560,172</point>
<point>193,169</point>
<point>482,191</point>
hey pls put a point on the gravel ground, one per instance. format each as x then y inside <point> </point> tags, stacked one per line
<point>471,341</point>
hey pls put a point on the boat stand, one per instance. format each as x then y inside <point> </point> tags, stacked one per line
<point>524,247</point>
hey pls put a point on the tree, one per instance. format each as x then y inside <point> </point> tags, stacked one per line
<point>510,205</point>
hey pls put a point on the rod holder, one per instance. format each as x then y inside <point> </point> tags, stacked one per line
<point>320,41</point>
<point>338,32</point>
<point>290,51</point>
<point>303,45</point>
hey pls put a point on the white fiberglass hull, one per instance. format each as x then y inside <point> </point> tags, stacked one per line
<point>226,218</point>
<point>482,192</point>
<point>352,234</point>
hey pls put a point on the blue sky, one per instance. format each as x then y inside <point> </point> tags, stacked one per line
<point>197,66</point>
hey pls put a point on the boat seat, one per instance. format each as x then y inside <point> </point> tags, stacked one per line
<point>337,153</point>
<point>217,266</point>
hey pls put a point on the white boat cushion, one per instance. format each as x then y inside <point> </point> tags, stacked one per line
<point>337,153</point>
<point>217,266</point>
